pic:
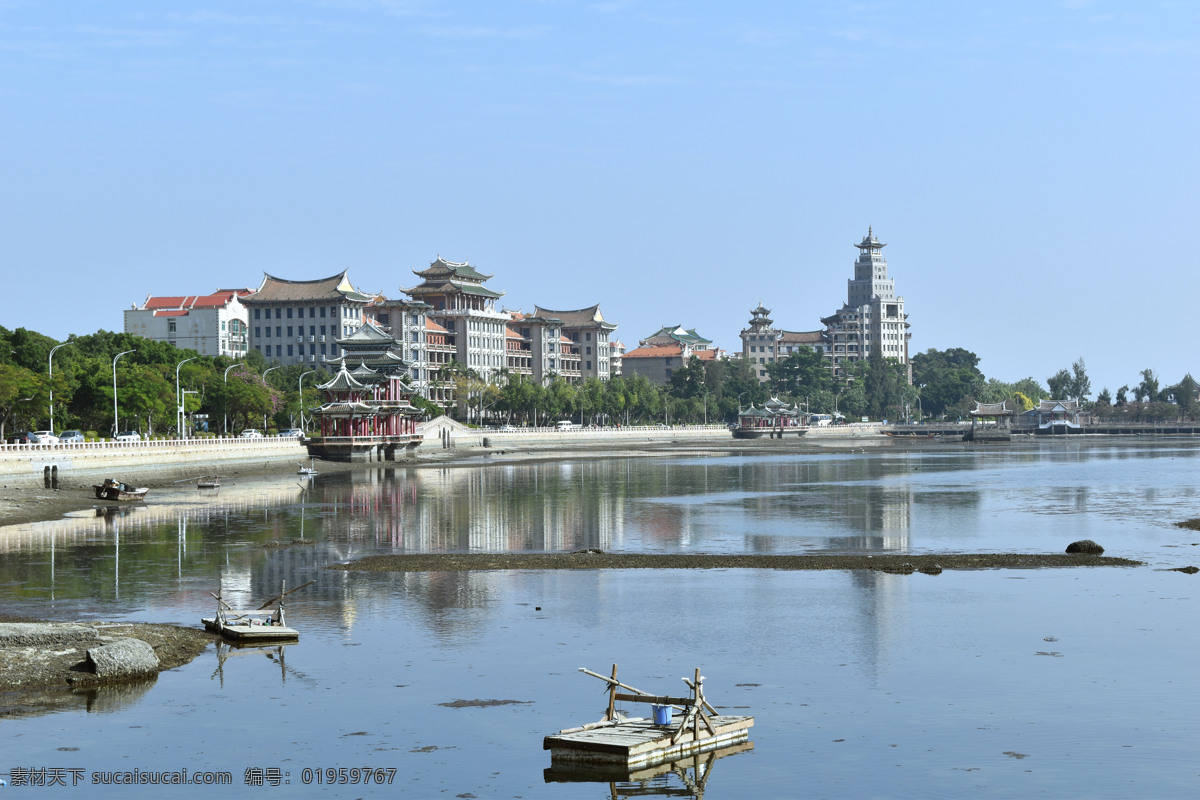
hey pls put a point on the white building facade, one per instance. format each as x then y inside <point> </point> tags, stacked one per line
<point>212,325</point>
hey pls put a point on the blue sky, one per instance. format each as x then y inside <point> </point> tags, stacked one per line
<point>1032,165</point>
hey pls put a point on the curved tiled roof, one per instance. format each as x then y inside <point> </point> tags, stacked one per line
<point>279,290</point>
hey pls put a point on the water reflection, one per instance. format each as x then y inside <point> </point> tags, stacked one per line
<point>687,777</point>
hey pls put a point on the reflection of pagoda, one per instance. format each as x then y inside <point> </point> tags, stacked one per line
<point>367,415</point>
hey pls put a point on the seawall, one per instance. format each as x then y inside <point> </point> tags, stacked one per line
<point>39,464</point>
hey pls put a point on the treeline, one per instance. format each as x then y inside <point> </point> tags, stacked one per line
<point>244,392</point>
<point>247,392</point>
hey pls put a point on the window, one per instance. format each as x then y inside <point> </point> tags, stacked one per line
<point>290,354</point>
<point>312,312</point>
<point>257,333</point>
<point>170,327</point>
<point>290,332</point>
<point>312,330</point>
<point>322,312</point>
<point>278,350</point>
<point>257,312</point>
<point>289,313</point>
<point>268,331</point>
<point>278,313</point>
<point>278,332</point>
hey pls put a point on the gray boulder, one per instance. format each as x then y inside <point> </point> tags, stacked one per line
<point>1086,546</point>
<point>124,658</point>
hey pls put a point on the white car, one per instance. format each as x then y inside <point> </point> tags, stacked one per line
<point>251,433</point>
<point>46,437</point>
<point>129,436</point>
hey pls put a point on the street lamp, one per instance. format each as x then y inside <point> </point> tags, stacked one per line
<point>182,401</point>
<point>52,349</point>
<point>266,372</point>
<point>225,424</point>
<point>116,418</point>
<point>179,433</point>
<point>300,399</point>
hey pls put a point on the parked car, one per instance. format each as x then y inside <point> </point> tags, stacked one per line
<point>506,429</point>
<point>251,433</point>
<point>24,437</point>
<point>564,425</point>
<point>46,437</point>
<point>71,436</point>
<point>129,436</point>
<point>299,434</point>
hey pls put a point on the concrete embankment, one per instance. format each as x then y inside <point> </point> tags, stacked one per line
<point>41,465</point>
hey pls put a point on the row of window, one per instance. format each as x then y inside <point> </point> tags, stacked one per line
<point>265,331</point>
<point>313,312</point>
<point>295,350</point>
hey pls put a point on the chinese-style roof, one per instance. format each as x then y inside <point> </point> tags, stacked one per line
<point>430,325</point>
<point>679,334</point>
<point>171,312</point>
<point>1047,406</point>
<point>335,287</point>
<point>364,374</point>
<point>368,333</point>
<point>869,241</point>
<point>801,337</point>
<point>341,382</point>
<point>991,409</point>
<point>443,268</point>
<point>579,318</point>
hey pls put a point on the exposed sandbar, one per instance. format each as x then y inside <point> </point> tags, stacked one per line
<point>594,559</point>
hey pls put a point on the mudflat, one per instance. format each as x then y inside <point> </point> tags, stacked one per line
<point>596,559</point>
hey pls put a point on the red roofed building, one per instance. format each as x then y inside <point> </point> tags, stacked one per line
<point>659,355</point>
<point>212,325</point>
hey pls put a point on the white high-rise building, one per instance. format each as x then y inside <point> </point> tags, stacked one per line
<point>873,315</point>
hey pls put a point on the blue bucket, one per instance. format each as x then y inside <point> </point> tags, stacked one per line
<point>662,715</point>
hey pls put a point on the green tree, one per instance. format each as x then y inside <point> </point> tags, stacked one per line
<point>803,372</point>
<point>1147,390</point>
<point>948,381</point>
<point>22,393</point>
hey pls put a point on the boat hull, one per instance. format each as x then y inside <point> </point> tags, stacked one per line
<point>251,633</point>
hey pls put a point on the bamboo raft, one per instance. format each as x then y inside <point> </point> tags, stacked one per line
<point>678,727</point>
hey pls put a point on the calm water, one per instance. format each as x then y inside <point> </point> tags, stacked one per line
<point>1057,683</point>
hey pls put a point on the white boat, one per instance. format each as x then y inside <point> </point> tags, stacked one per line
<point>310,470</point>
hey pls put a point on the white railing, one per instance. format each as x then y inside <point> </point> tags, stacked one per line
<point>230,443</point>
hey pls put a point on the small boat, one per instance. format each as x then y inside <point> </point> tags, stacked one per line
<point>310,470</point>
<point>261,625</point>
<point>209,482</point>
<point>113,489</point>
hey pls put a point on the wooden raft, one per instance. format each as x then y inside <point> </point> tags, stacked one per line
<point>693,726</point>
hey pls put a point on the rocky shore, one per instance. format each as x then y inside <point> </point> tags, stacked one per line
<point>48,664</point>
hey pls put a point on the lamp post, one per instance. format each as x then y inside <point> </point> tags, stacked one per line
<point>225,424</point>
<point>266,372</point>
<point>300,398</point>
<point>179,432</point>
<point>52,349</point>
<point>116,417</point>
<point>182,399</point>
